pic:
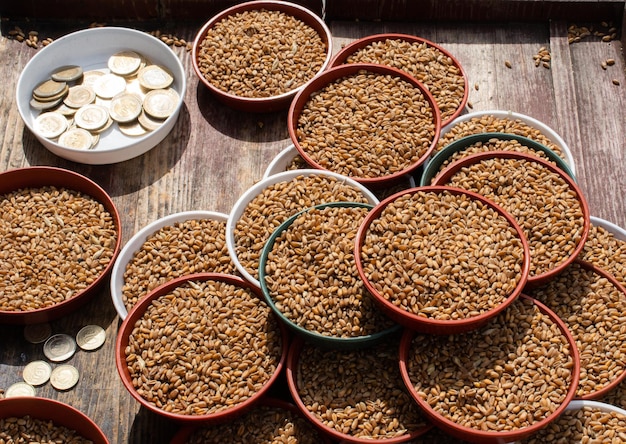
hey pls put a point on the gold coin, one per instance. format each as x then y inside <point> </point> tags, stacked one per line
<point>20,389</point>
<point>67,73</point>
<point>37,333</point>
<point>64,377</point>
<point>76,138</point>
<point>67,111</point>
<point>161,103</point>
<point>90,77</point>
<point>59,347</point>
<point>91,117</point>
<point>109,85</point>
<point>79,95</point>
<point>133,129</point>
<point>106,126</point>
<point>44,106</point>
<point>124,63</point>
<point>49,88</point>
<point>154,77</point>
<point>37,373</point>
<point>149,123</point>
<point>91,337</point>
<point>125,107</point>
<point>50,124</point>
<point>54,97</point>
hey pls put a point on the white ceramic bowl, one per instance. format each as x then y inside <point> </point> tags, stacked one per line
<point>135,243</point>
<point>530,121</point>
<point>240,206</point>
<point>616,230</point>
<point>281,161</point>
<point>91,49</point>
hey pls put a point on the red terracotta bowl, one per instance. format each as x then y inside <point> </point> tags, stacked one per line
<point>420,322</point>
<point>476,435</point>
<point>59,413</point>
<point>351,48</point>
<point>40,176</point>
<point>443,179</point>
<point>137,312</point>
<point>331,75</point>
<point>261,104</point>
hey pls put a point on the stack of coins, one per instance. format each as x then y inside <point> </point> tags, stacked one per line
<point>76,106</point>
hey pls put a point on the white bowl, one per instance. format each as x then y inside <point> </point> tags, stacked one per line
<point>91,49</point>
<point>616,230</point>
<point>530,121</point>
<point>281,161</point>
<point>135,243</point>
<point>258,188</point>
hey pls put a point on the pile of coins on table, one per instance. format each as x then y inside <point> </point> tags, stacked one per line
<point>77,106</point>
<point>57,348</point>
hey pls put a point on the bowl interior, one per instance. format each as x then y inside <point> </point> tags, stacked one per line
<point>135,243</point>
<point>138,311</point>
<point>36,177</point>
<point>91,49</point>
<point>59,413</point>
<point>422,323</point>
<point>436,161</point>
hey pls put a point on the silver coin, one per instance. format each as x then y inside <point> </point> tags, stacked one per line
<point>91,337</point>
<point>64,377</point>
<point>59,347</point>
<point>37,373</point>
<point>20,389</point>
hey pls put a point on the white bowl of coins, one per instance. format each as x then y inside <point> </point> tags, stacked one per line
<point>102,95</point>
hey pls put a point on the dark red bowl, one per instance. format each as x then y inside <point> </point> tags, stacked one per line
<point>331,75</point>
<point>442,179</point>
<point>422,323</point>
<point>41,176</point>
<point>59,413</point>
<point>138,311</point>
<point>261,104</point>
<point>341,58</point>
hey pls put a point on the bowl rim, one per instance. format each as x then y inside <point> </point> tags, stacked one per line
<point>613,228</point>
<point>282,156</point>
<point>464,432</point>
<point>138,310</point>
<point>429,325</point>
<point>350,48</point>
<point>291,370</point>
<point>341,71</point>
<point>529,120</point>
<point>60,413</point>
<point>313,336</point>
<point>577,404</point>
<point>253,191</point>
<point>138,239</point>
<point>41,176</point>
<point>132,142</point>
<point>539,279</point>
<point>435,162</point>
<point>292,9</point>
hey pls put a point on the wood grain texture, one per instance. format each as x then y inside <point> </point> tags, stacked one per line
<point>214,154</point>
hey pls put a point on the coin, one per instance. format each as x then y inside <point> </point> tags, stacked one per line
<point>161,103</point>
<point>59,347</point>
<point>91,117</point>
<point>104,128</point>
<point>37,333</point>
<point>44,106</point>
<point>53,98</point>
<point>154,77</point>
<point>109,85</point>
<point>90,77</point>
<point>20,389</point>
<point>125,107</point>
<point>149,123</point>
<point>50,124</point>
<point>79,95</point>
<point>90,337</point>
<point>133,129</point>
<point>37,373</point>
<point>124,63</point>
<point>49,88</point>
<point>77,138</point>
<point>68,73</point>
<point>64,377</point>
<point>65,110</point>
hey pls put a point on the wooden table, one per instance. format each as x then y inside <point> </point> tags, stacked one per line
<point>214,154</point>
